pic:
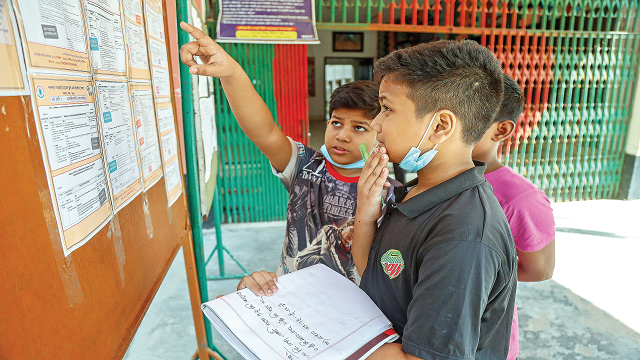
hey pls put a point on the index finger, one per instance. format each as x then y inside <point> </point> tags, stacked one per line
<point>194,31</point>
<point>371,163</point>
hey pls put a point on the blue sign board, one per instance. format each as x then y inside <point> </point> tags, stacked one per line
<point>275,21</point>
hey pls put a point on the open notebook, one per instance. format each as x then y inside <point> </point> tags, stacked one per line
<point>316,314</point>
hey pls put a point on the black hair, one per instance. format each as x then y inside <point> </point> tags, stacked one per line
<point>512,101</point>
<point>462,77</point>
<point>357,95</point>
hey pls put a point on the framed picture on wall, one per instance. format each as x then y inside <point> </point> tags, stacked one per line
<point>348,41</point>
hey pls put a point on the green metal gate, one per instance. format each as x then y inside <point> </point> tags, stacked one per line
<point>248,191</point>
<point>576,61</point>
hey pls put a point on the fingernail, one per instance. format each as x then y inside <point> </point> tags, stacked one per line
<point>274,288</point>
<point>193,70</point>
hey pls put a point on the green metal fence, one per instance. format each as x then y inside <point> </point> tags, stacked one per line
<point>248,190</point>
<point>577,149</point>
<point>577,62</point>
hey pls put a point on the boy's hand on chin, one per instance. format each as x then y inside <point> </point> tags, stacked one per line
<point>216,61</point>
<point>372,180</point>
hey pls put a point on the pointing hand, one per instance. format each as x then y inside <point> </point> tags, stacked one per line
<point>216,61</point>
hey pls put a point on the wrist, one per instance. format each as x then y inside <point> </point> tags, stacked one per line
<point>235,73</point>
<point>363,219</point>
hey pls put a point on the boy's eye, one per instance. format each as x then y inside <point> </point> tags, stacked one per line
<point>360,128</point>
<point>336,123</point>
<point>384,108</point>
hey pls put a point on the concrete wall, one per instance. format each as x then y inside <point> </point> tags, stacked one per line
<point>324,50</point>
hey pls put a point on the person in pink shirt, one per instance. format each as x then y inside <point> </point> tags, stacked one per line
<point>527,208</point>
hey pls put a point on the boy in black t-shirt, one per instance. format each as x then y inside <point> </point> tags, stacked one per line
<point>442,265</point>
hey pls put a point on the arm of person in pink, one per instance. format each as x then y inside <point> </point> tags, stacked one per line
<point>537,265</point>
<point>531,220</point>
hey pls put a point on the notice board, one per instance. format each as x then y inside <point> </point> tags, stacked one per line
<point>93,209</point>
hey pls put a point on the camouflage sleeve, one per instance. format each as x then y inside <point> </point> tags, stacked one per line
<point>300,156</point>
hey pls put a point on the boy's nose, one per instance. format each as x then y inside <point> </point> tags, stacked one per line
<point>343,134</point>
<point>376,124</point>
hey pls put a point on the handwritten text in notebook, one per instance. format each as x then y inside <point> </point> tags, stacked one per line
<point>316,314</point>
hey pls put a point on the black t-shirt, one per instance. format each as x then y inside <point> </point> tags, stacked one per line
<point>443,268</point>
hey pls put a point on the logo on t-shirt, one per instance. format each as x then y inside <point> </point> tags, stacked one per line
<point>392,263</point>
<point>340,204</point>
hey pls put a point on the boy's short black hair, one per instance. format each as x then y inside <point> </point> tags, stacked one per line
<point>463,77</point>
<point>512,101</point>
<point>357,95</point>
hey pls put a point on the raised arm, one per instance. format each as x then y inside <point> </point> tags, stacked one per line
<point>372,180</point>
<point>250,111</point>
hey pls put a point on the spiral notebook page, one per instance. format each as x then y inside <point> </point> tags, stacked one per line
<point>316,314</point>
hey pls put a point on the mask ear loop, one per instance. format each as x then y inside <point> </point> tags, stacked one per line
<point>427,131</point>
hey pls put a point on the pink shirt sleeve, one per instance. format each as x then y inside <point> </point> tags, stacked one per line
<point>531,220</point>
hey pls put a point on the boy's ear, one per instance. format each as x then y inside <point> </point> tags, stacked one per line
<point>444,126</point>
<point>504,130</point>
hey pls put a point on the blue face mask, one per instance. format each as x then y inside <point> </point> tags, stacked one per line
<point>356,165</point>
<point>413,161</point>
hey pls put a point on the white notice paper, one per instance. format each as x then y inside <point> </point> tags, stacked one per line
<point>155,23</point>
<point>165,118</point>
<point>54,31</point>
<point>70,132</point>
<point>54,23</point>
<point>147,134</point>
<point>106,40</point>
<point>169,145</point>
<point>136,40</point>
<point>172,178</point>
<point>80,192</point>
<point>119,141</point>
<point>6,36</point>
<point>70,142</point>
<point>12,69</point>
<point>157,50</point>
<point>209,133</point>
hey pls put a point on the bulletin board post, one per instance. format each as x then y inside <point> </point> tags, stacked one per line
<point>193,197</point>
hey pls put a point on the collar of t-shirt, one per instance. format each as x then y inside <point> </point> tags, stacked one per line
<point>439,193</point>
<point>346,179</point>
